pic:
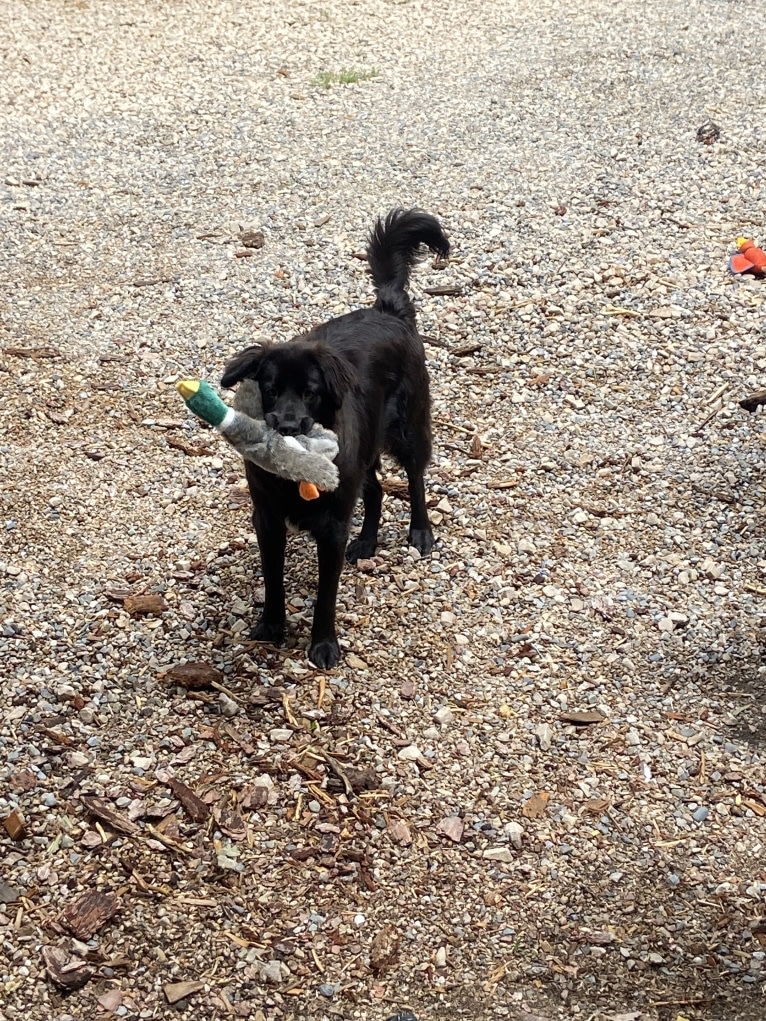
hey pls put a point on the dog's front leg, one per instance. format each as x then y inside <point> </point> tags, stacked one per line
<point>331,545</point>
<point>272,537</point>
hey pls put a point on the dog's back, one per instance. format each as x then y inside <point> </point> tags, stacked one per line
<point>382,342</point>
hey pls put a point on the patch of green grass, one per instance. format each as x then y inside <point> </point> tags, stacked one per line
<point>346,76</point>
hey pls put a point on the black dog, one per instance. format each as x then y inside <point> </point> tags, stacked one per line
<point>364,376</point>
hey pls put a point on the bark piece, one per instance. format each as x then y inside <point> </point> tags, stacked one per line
<point>15,825</point>
<point>536,805</point>
<point>384,949</point>
<point>190,449</point>
<point>192,804</point>
<point>85,916</point>
<point>104,811</point>
<point>445,291</point>
<point>194,676</point>
<point>142,605</point>
<point>582,719</point>
<point>365,779</point>
<point>753,400</point>
<point>175,991</point>
<point>32,352</point>
<point>67,971</point>
<point>250,238</point>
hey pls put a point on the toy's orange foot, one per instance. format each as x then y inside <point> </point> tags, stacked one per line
<point>740,264</point>
<point>308,491</point>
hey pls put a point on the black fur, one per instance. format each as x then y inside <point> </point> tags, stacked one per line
<point>363,375</point>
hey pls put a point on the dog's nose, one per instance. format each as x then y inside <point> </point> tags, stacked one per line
<point>288,427</point>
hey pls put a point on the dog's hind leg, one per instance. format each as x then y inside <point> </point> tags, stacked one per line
<point>372,496</point>
<point>412,449</point>
<point>421,535</point>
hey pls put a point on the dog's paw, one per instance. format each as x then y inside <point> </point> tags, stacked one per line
<point>360,549</point>
<point>325,654</point>
<point>268,631</point>
<point>422,539</point>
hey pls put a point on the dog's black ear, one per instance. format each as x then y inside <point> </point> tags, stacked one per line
<point>245,365</point>
<point>338,374</point>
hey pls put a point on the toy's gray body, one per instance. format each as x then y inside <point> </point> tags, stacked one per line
<point>300,458</point>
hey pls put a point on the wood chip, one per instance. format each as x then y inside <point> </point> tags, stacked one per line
<point>229,821</point>
<point>582,719</point>
<point>194,676</point>
<point>104,811</point>
<point>384,949</point>
<point>15,825</point>
<point>753,400</point>
<point>85,916</point>
<point>190,449</point>
<point>193,805</point>
<point>35,353</point>
<point>396,487</point>
<point>250,238</point>
<point>536,805</point>
<point>175,991</point>
<point>446,291</point>
<point>143,605</point>
<point>67,971</point>
<point>596,806</point>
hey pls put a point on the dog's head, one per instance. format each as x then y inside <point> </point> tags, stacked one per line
<point>300,383</point>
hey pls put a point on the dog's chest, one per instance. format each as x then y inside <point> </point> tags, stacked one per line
<point>296,527</point>
<point>301,516</point>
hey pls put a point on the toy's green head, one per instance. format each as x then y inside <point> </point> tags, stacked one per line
<point>202,400</point>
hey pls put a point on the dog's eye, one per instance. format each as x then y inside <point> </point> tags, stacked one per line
<point>308,395</point>
<point>269,392</point>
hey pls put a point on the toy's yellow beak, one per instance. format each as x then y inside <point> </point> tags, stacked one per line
<point>742,241</point>
<point>187,388</point>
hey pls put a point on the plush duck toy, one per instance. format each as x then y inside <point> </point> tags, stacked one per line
<point>307,459</point>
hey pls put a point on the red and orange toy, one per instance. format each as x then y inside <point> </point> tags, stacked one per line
<point>749,258</point>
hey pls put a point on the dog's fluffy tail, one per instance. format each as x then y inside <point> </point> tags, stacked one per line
<point>393,250</point>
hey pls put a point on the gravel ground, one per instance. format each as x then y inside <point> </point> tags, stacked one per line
<point>535,787</point>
